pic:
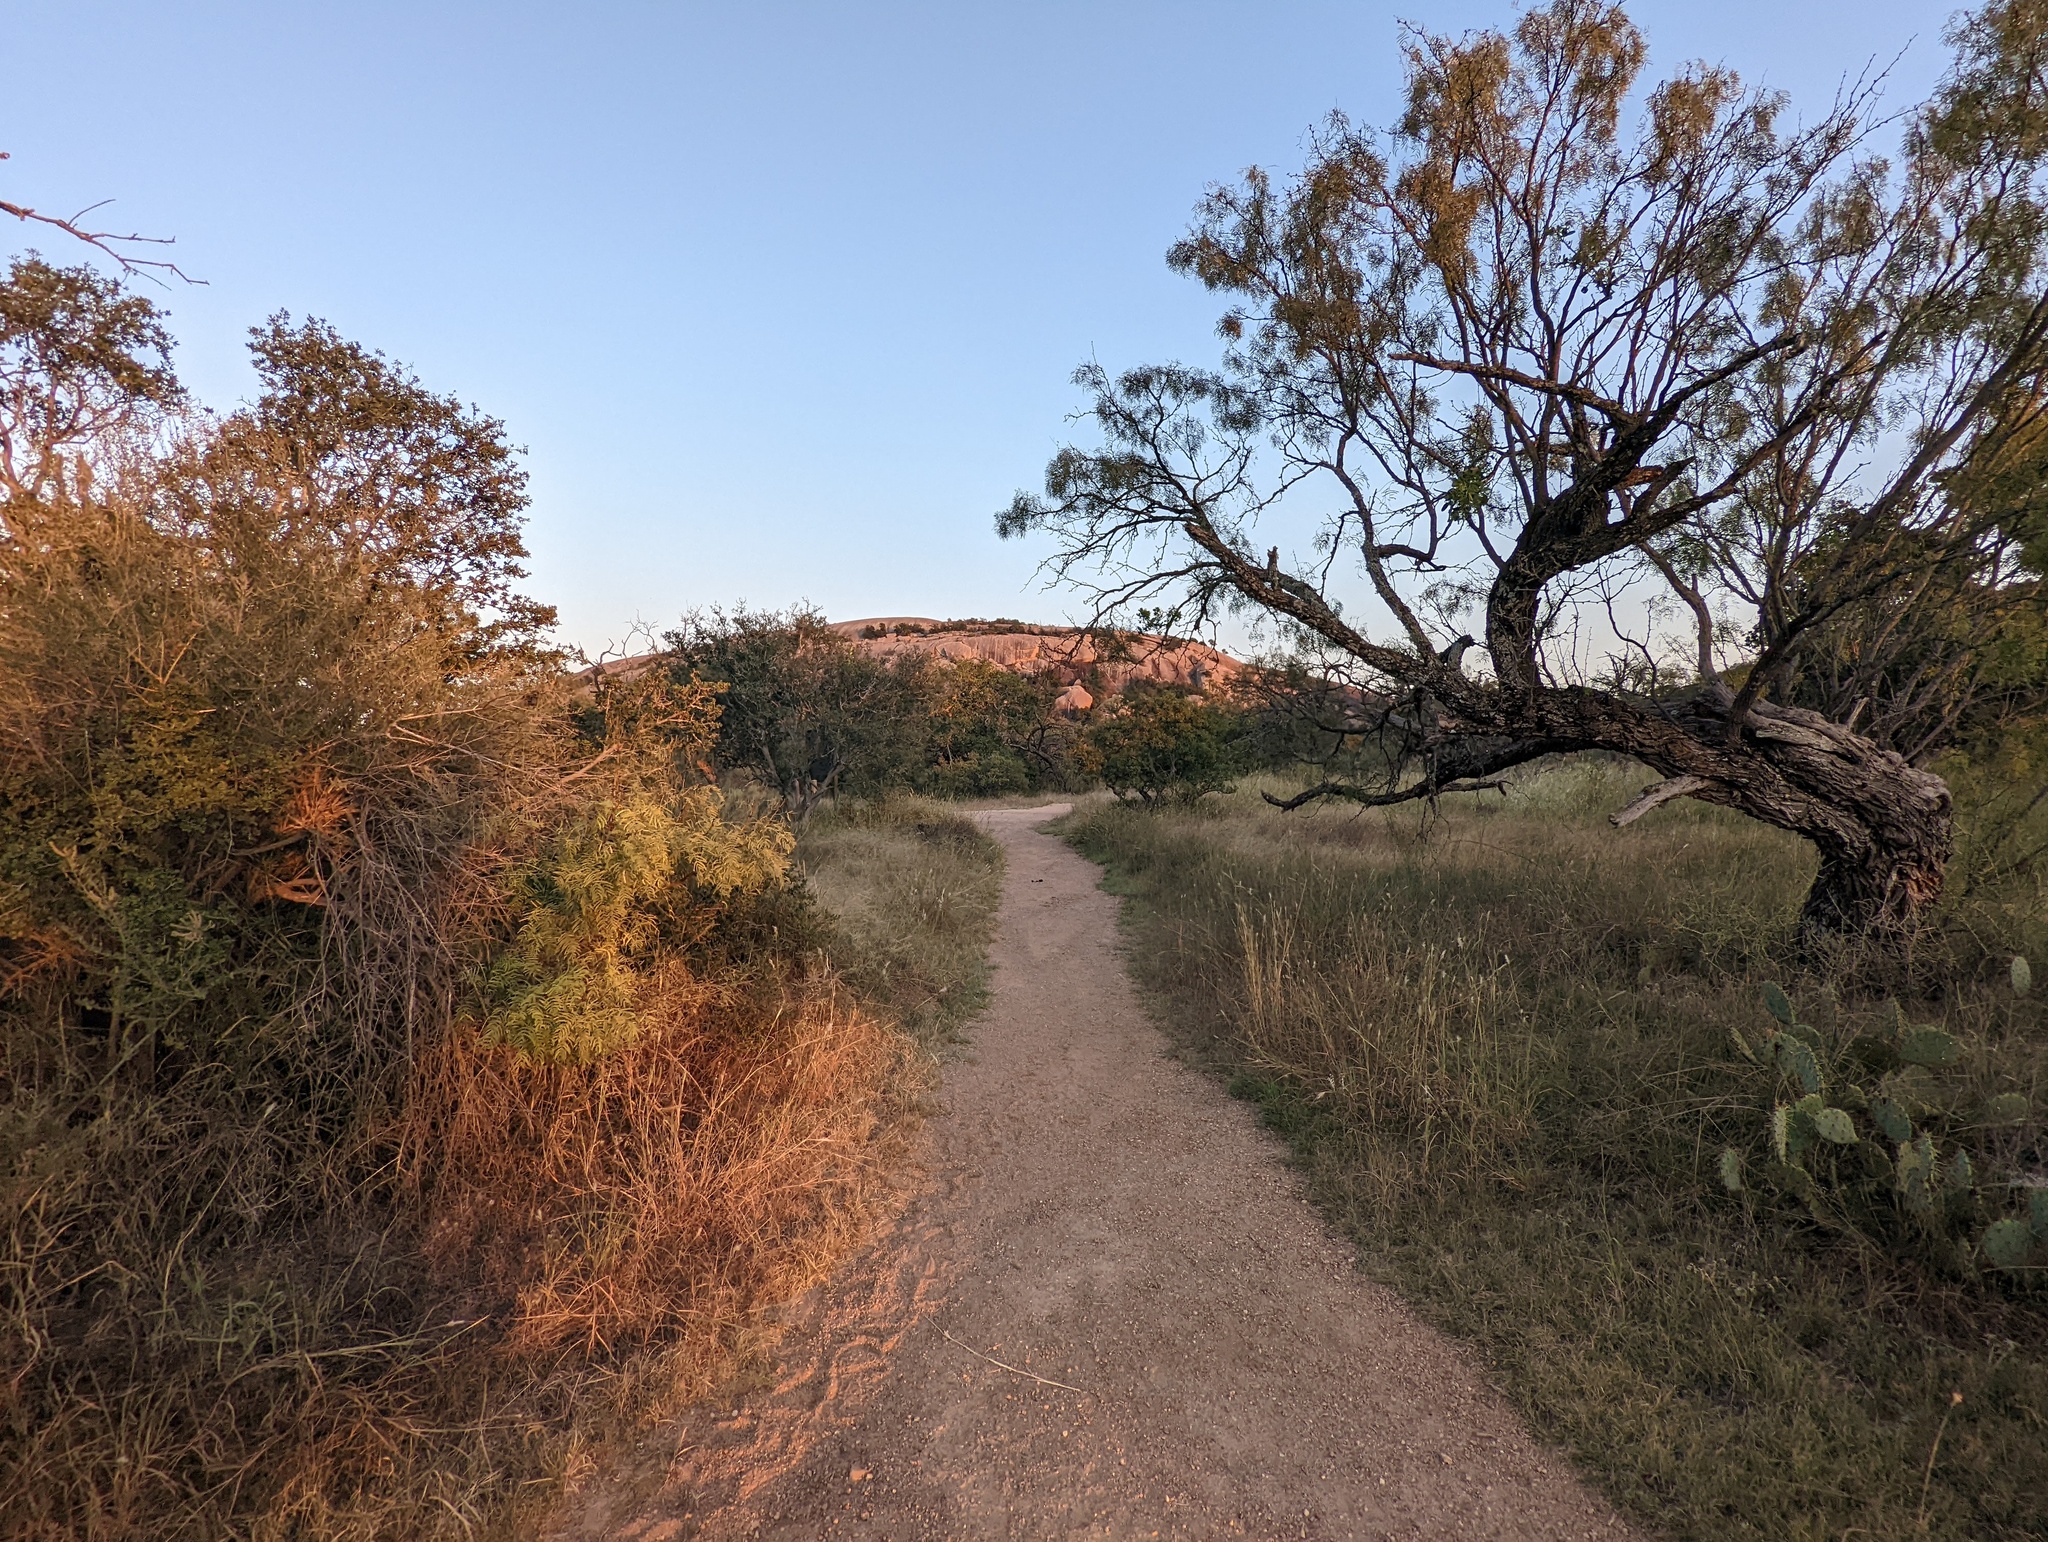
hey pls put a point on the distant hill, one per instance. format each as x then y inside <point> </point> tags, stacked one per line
<point>1089,663</point>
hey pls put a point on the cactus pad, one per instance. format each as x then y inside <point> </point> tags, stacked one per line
<point>1892,1121</point>
<point>1835,1127</point>
<point>2007,1243</point>
<point>2007,1108</point>
<point>1928,1046</point>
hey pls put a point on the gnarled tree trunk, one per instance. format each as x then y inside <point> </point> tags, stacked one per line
<point>1880,823</point>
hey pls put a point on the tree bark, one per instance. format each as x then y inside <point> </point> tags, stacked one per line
<point>1880,823</point>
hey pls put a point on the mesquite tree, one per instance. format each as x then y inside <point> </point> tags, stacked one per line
<point>1550,337</point>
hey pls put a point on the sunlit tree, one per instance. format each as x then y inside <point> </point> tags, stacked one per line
<point>1556,335</point>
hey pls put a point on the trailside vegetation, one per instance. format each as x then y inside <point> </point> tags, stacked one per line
<point>809,716</point>
<point>1560,344</point>
<point>1763,1251</point>
<point>1158,746</point>
<point>802,711</point>
<point>408,1062</point>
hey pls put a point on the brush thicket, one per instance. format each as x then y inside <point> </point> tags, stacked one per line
<point>290,1246</point>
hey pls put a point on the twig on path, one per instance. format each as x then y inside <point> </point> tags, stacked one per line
<point>1015,1370</point>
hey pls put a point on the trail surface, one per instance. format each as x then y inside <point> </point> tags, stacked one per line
<point>1108,1311</point>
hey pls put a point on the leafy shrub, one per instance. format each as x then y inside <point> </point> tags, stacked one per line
<point>293,801</point>
<point>565,987</point>
<point>1161,746</point>
<point>991,732</point>
<point>811,716</point>
<point>803,711</point>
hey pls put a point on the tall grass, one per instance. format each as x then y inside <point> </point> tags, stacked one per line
<point>912,886</point>
<point>1498,1040</point>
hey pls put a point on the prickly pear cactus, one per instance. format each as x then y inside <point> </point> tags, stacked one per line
<point>1897,1145</point>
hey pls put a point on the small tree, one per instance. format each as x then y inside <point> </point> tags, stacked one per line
<point>1158,746</point>
<point>803,709</point>
<point>1546,340</point>
<point>993,731</point>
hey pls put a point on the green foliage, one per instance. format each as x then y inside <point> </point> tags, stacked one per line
<point>803,710</point>
<point>564,989</point>
<point>812,716</point>
<point>1931,1175</point>
<point>1160,746</point>
<point>590,906</point>
<point>991,731</point>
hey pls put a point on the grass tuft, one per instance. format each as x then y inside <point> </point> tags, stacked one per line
<point>912,886</point>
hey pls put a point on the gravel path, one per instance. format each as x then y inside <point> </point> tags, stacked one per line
<point>1108,1311</point>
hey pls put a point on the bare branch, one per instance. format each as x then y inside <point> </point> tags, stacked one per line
<point>1656,797</point>
<point>1352,793</point>
<point>107,242</point>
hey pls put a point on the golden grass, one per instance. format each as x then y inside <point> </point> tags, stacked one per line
<point>595,1245</point>
<point>682,1186</point>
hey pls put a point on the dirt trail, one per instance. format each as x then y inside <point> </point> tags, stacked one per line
<point>1098,1215</point>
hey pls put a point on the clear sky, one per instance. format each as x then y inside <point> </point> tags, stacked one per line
<point>781,298</point>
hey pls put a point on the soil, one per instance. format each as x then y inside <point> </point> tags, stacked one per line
<point>1107,1310</point>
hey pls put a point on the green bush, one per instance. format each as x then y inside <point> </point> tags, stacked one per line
<point>1158,746</point>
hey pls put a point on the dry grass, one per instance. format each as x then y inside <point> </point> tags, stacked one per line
<point>285,1250</point>
<point>598,1243</point>
<point>595,1245</point>
<point>677,1188</point>
<point>1499,1045</point>
<point>912,885</point>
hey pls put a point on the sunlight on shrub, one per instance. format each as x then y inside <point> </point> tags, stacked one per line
<point>566,988</point>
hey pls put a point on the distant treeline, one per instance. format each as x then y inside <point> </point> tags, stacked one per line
<point>807,712</point>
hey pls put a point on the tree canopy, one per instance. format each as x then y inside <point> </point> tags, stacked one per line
<point>1558,344</point>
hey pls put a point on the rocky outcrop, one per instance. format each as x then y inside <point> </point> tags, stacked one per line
<point>1099,663</point>
<point>1089,665</point>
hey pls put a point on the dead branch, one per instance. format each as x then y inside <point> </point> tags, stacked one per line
<point>1667,791</point>
<point>106,241</point>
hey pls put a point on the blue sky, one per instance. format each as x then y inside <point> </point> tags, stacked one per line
<point>781,298</point>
